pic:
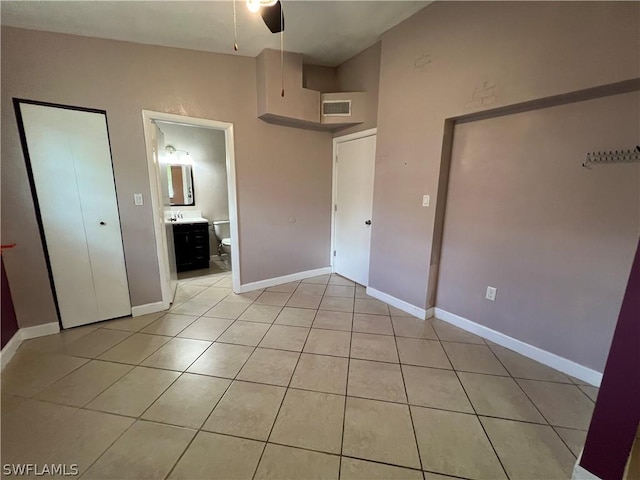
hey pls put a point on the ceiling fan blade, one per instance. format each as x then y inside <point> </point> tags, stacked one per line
<point>273,17</point>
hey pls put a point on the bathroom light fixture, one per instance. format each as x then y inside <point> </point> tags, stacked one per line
<point>177,157</point>
<point>255,5</point>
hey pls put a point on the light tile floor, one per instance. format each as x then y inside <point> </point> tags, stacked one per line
<point>310,379</point>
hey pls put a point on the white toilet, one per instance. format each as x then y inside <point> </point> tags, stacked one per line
<point>223,235</point>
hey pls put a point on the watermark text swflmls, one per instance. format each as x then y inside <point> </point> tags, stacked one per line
<point>33,469</point>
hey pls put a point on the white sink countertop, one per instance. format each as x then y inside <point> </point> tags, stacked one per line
<point>187,216</point>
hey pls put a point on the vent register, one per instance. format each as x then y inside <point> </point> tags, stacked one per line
<point>336,108</point>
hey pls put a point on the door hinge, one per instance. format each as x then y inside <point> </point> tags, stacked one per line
<point>334,253</point>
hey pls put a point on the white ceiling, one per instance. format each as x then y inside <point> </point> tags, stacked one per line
<point>326,32</point>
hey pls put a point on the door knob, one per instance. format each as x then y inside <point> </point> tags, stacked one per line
<point>103,223</point>
<point>368,222</point>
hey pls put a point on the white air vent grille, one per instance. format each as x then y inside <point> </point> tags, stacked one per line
<point>336,108</point>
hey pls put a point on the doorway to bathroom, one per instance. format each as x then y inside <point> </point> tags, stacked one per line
<point>193,197</point>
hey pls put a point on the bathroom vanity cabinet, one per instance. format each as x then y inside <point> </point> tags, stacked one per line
<point>191,245</point>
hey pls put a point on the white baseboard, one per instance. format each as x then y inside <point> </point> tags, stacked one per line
<point>272,282</point>
<point>552,360</point>
<point>400,304</point>
<point>154,307</point>
<point>581,473</point>
<point>26,333</point>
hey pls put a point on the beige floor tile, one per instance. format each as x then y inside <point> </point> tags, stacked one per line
<point>361,292</point>
<point>279,462</point>
<point>146,450</point>
<point>84,384</point>
<point>196,306</point>
<point>274,367</point>
<point>413,327</point>
<point>499,397</point>
<point>260,313</point>
<point>132,324</point>
<point>248,297</point>
<point>57,341</point>
<point>376,380</point>
<point>284,337</point>
<point>171,324</point>
<point>321,374</point>
<point>352,469</point>
<point>563,405</point>
<point>221,360</point>
<point>373,347</point>
<point>437,476</point>
<point>423,353</point>
<point>589,391</point>
<point>337,304</point>
<point>371,306</point>
<point>215,293</point>
<point>454,443</point>
<point>303,412</point>
<point>205,281</point>
<point>473,358</point>
<point>46,433</point>
<point>244,333</point>
<point>218,457</point>
<point>226,282</point>
<point>178,354</point>
<point>206,328</point>
<point>247,410</point>
<point>189,290</point>
<point>133,393</point>
<point>545,456</point>
<point>574,439</point>
<point>367,323</point>
<point>277,299</point>
<point>188,401</point>
<point>134,349</point>
<point>284,288</point>
<point>340,291</point>
<point>304,300</point>
<point>339,280</point>
<point>328,342</point>
<point>227,309</point>
<point>436,388</point>
<point>396,312</point>
<point>379,431</point>
<point>450,333</point>
<point>296,317</point>
<point>311,289</point>
<point>333,320</point>
<point>30,372</point>
<point>320,279</point>
<point>523,367</point>
<point>95,343</point>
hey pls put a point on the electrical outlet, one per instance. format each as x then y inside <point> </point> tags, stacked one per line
<point>491,293</point>
<point>137,199</point>
<point>425,200</point>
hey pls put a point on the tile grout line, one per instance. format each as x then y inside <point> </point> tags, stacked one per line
<point>346,392</point>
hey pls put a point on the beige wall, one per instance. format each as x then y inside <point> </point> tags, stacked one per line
<point>281,172</point>
<point>557,240</point>
<point>456,58</point>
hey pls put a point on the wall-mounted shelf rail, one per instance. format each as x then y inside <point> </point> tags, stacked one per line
<point>622,156</point>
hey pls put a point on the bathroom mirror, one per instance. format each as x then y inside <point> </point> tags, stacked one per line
<point>181,185</point>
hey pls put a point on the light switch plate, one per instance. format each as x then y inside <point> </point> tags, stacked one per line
<point>137,199</point>
<point>425,200</point>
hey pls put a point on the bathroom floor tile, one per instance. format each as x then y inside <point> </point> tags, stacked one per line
<point>295,317</point>
<point>215,293</point>
<point>134,349</point>
<point>333,320</point>
<point>435,388</point>
<point>178,354</point>
<point>188,401</point>
<point>304,300</point>
<point>340,291</point>
<point>277,299</point>
<point>95,343</point>
<point>303,412</point>
<point>373,347</point>
<point>274,367</point>
<point>574,439</point>
<point>247,298</point>
<point>196,306</point>
<point>284,288</point>
<point>227,309</point>
<point>473,358</point>
<point>337,304</point>
<point>132,324</point>
<point>523,367</point>
<point>279,462</point>
<point>339,280</point>
<point>218,457</point>
<point>396,312</point>
<point>244,333</point>
<point>379,431</point>
<point>260,313</point>
<point>449,333</point>
<point>371,306</point>
<point>284,337</point>
<point>247,410</point>
<point>413,327</point>
<point>320,279</point>
<point>311,289</point>
<point>455,444</point>
<point>170,324</point>
<point>366,323</point>
<point>321,373</point>
<point>328,342</point>
<point>423,353</point>
<point>589,391</point>
<point>376,380</point>
<point>221,360</point>
<point>352,469</point>
<point>206,328</point>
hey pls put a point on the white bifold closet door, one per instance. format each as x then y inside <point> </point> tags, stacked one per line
<point>70,158</point>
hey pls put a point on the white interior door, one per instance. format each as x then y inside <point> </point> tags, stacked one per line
<point>355,165</point>
<point>70,159</point>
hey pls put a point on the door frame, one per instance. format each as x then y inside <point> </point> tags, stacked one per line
<point>148,118</point>
<point>334,177</point>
